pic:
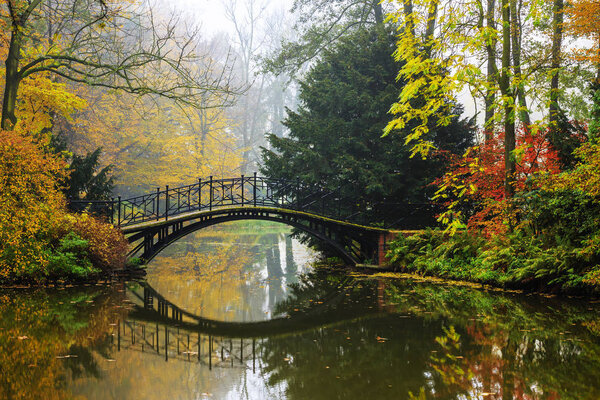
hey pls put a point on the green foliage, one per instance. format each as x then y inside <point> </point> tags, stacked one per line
<point>565,137</point>
<point>336,19</point>
<point>562,217</point>
<point>594,125</point>
<point>519,260</point>
<point>335,136</point>
<point>86,179</point>
<point>71,259</point>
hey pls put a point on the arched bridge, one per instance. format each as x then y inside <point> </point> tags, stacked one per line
<point>153,221</point>
<point>150,306</point>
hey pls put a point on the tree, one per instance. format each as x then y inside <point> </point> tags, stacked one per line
<point>583,20</point>
<point>262,106</point>
<point>557,37</point>
<point>442,61</point>
<point>335,136</point>
<point>320,24</point>
<point>152,142</point>
<point>121,46</point>
<point>87,179</point>
<point>32,206</point>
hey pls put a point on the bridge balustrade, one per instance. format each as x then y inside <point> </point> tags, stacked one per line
<point>254,191</point>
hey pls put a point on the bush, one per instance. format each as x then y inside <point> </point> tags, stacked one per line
<point>562,217</point>
<point>31,205</point>
<point>517,260</point>
<point>38,238</point>
<point>107,245</point>
<point>71,259</point>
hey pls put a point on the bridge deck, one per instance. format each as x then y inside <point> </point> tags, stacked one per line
<point>133,228</point>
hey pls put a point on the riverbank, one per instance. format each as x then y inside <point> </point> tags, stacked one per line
<point>129,273</point>
<point>512,262</point>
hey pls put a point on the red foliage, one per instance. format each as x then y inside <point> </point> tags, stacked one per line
<point>108,247</point>
<point>478,177</point>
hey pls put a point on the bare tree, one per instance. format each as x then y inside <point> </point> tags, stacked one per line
<point>320,23</point>
<point>108,44</point>
<point>258,29</point>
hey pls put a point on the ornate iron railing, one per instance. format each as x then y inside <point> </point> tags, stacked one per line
<point>248,191</point>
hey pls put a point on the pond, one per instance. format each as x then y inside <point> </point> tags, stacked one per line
<point>238,312</point>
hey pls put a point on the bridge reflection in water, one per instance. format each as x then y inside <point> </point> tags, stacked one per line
<point>160,328</point>
<point>174,343</point>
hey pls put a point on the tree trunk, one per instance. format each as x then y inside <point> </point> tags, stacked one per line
<point>492,72</point>
<point>509,117</point>
<point>11,84</point>
<point>431,17</point>
<point>557,25</point>
<point>378,10</point>
<point>516,53</point>
<point>408,10</point>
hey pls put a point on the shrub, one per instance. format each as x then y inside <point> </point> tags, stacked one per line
<point>107,245</point>
<point>71,259</point>
<point>38,238</point>
<point>30,206</point>
<point>564,216</point>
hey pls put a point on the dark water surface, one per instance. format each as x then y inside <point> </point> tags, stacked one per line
<point>236,314</point>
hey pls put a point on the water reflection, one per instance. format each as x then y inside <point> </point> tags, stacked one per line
<point>325,335</point>
<point>230,272</point>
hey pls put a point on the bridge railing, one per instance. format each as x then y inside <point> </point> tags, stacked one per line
<point>254,191</point>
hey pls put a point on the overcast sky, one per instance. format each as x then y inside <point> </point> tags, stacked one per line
<point>210,14</point>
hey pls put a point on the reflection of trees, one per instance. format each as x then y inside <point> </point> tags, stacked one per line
<point>291,269</point>
<point>226,272</point>
<point>208,277</point>
<point>352,360</point>
<point>505,345</point>
<point>270,243</point>
<point>38,328</point>
<point>349,361</point>
<point>446,342</point>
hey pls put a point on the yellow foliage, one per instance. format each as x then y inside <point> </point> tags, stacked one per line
<point>40,99</point>
<point>213,276</point>
<point>434,69</point>
<point>30,205</point>
<point>583,20</point>
<point>585,177</point>
<point>153,143</point>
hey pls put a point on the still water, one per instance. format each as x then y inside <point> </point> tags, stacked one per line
<point>237,312</point>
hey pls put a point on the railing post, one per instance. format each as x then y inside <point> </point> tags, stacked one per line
<point>167,203</point>
<point>199,194</point>
<point>189,199</point>
<point>242,189</point>
<point>157,203</point>
<point>119,212</point>
<point>210,194</point>
<point>112,210</point>
<point>255,189</point>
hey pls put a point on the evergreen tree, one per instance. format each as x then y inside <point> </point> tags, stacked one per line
<point>335,136</point>
<point>86,180</point>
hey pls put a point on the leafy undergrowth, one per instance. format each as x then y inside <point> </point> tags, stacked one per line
<point>39,240</point>
<point>516,261</point>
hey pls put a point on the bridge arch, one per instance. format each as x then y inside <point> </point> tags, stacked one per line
<point>353,243</point>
